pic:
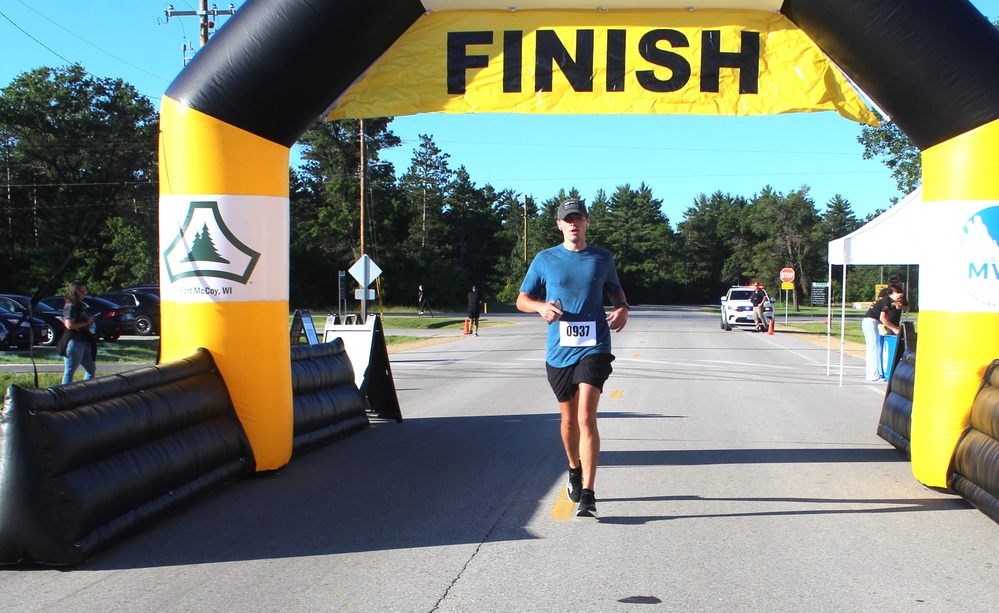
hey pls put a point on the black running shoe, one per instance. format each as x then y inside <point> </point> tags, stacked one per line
<point>587,504</point>
<point>575,484</point>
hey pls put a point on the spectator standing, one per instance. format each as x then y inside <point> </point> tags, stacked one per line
<point>893,282</point>
<point>78,345</point>
<point>757,298</point>
<point>876,315</point>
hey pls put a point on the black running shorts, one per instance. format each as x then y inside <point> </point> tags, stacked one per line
<point>593,370</point>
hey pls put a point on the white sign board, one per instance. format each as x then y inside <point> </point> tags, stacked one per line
<point>365,270</point>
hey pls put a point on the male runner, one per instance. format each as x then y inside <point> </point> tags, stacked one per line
<point>573,278</point>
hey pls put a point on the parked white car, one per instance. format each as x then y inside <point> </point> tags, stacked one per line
<point>737,310</point>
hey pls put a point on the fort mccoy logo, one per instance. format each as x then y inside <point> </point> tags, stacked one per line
<point>206,248</point>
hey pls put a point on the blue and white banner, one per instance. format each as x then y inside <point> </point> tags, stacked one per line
<point>961,272</point>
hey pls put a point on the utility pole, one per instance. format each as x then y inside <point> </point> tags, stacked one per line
<point>363,172</point>
<point>208,17</point>
<point>525,229</point>
<point>364,286</point>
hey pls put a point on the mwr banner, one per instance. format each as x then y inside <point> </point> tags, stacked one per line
<point>614,62</point>
<point>224,248</point>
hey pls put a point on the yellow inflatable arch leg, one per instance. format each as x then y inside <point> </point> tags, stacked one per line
<point>224,241</point>
<point>959,297</point>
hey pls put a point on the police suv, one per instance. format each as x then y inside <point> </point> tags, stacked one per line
<point>737,309</point>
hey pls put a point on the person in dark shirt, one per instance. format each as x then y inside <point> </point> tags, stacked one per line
<point>878,314</point>
<point>424,301</point>
<point>893,282</point>
<point>79,345</point>
<point>757,298</point>
<point>474,306</point>
<point>892,317</point>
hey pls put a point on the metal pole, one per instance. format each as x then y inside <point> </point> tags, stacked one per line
<point>203,13</point>
<point>363,172</point>
<point>842,326</point>
<point>364,285</point>
<point>525,229</point>
<point>364,291</point>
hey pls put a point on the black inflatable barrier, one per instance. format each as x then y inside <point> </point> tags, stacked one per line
<point>325,401</point>
<point>895,424</point>
<point>975,468</point>
<point>85,465</point>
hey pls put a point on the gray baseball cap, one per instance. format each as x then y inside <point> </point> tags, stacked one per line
<point>570,206</point>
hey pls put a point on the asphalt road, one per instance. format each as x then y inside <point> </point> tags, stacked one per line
<point>735,476</point>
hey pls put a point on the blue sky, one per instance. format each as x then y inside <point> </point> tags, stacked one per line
<point>678,156</point>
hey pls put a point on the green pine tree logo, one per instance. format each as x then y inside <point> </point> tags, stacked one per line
<point>198,254</point>
<point>203,249</point>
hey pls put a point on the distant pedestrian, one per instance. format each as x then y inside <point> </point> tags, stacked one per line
<point>424,301</point>
<point>474,307</point>
<point>78,345</point>
<point>757,299</point>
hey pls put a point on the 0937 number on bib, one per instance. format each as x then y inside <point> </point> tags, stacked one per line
<point>577,333</point>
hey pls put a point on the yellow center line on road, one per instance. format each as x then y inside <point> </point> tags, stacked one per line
<point>562,511</point>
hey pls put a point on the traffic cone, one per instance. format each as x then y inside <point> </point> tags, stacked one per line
<point>770,329</point>
<point>468,326</point>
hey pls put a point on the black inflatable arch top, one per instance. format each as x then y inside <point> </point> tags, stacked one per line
<point>278,64</point>
<point>903,53</point>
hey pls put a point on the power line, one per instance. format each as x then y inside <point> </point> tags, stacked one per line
<point>62,57</point>
<point>104,51</point>
<point>50,49</point>
<point>102,184</point>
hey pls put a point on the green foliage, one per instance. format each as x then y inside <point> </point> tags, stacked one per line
<point>77,152</point>
<point>709,237</point>
<point>889,144</point>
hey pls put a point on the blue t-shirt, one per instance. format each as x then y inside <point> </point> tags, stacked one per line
<point>579,279</point>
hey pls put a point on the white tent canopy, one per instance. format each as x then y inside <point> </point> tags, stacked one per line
<point>883,239</point>
<point>889,238</point>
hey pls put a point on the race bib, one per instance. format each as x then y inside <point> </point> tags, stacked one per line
<point>577,333</point>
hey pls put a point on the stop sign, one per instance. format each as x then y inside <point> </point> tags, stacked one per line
<point>787,275</point>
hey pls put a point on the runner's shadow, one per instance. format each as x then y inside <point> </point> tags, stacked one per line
<point>814,506</point>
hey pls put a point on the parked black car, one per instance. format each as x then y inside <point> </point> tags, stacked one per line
<point>21,334</point>
<point>145,305</point>
<point>113,319</point>
<point>148,288</point>
<point>17,303</point>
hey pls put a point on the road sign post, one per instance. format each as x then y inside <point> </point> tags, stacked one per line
<point>365,271</point>
<point>787,283</point>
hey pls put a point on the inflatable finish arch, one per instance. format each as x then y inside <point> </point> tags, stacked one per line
<point>230,118</point>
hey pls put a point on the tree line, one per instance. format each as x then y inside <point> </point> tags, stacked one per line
<point>79,166</point>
